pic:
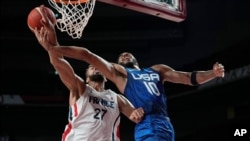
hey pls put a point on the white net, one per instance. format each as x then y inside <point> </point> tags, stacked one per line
<point>74,16</point>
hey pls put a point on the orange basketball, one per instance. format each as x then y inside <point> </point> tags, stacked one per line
<point>34,18</point>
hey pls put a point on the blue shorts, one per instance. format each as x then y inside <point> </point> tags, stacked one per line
<point>154,128</point>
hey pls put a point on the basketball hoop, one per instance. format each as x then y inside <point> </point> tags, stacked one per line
<point>74,15</point>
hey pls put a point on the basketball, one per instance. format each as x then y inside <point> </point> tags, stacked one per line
<point>35,16</point>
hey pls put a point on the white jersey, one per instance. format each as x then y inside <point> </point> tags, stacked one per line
<point>94,117</point>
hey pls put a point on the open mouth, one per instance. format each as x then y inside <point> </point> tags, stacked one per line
<point>97,72</point>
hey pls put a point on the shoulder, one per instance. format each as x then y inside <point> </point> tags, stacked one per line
<point>110,91</point>
<point>118,66</point>
<point>163,70</point>
<point>119,69</point>
<point>88,89</point>
<point>161,67</point>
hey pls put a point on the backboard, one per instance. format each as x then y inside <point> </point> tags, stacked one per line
<point>173,10</point>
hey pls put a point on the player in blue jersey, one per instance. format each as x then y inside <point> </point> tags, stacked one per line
<point>143,87</point>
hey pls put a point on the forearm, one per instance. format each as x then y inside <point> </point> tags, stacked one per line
<point>125,107</point>
<point>204,76</point>
<point>64,70</point>
<point>54,57</point>
<point>201,77</point>
<point>74,52</point>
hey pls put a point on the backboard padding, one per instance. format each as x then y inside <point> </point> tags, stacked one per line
<point>177,14</point>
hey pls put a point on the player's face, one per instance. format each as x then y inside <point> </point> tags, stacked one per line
<point>94,75</point>
<point>92,70</point>
<point>127,60</point>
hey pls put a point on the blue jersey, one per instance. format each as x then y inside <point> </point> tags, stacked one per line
<point>145,89</point>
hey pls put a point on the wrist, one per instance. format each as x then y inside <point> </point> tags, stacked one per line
<point>193,78</point>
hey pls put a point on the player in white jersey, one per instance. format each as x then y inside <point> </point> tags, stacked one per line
<point>93,111</point>
<point>95,115</point>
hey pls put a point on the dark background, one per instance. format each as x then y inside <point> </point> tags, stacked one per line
<point>213,31</point>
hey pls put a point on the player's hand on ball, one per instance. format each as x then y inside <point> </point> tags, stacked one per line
<point>42,38</point>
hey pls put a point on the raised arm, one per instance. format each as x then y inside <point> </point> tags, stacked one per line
<point>113,72</point>
<point>66,73</point>
<point>190,78</point>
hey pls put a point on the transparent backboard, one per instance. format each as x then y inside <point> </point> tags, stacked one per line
<point>174,10</point>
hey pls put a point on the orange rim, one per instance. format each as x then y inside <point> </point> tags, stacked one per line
<point>72,1</point>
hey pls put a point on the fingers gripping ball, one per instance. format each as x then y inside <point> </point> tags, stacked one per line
<point>35,16</point>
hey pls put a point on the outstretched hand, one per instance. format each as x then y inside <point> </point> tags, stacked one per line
<point>218,70</point>
<point>49,26</point>
<point>42,37</point>
<point>46,36</point>
<point>137,115</point>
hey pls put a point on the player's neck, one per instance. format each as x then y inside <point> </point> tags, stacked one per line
<point>134,67</point>
<point>97,86</point>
